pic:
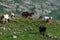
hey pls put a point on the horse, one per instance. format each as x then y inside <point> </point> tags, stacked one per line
<point>42,30</point>
<point>48,19</point>
<point>12,15</point>
<point>27,14</point>
<point>4,18</point>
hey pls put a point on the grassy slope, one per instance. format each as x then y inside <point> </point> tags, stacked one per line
<point>27,29</point>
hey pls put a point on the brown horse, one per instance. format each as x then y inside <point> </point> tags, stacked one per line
<point>40,17</point>
<point>27,14</point>
<point>48,20</point>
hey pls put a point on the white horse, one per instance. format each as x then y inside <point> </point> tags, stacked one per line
<point>6,18</point>
<point>46,17</point>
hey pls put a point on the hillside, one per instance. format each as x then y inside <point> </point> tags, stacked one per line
<point>39,7</point>
<point>55,14</point>
<point>27,29</point>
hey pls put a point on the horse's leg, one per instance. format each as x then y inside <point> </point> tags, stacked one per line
<point>3,20</point>
<point>8,20</point>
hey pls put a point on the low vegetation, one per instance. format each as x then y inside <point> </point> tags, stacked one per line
<point>27,29</point>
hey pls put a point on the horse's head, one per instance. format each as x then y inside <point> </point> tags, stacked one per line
<point>1,17</point>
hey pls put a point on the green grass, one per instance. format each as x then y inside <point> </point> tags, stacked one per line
<point>27,29</point>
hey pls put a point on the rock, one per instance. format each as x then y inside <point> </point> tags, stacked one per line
<point>9,29</point>
<point>19,32</point>
<point>14,36</point>
<point>14,32</point>
<point>49,36</point>
<point>25,29</point>
<point>2,28</point>
<point>55,37</point>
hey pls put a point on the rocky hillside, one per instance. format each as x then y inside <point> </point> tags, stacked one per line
<point>41,7</point>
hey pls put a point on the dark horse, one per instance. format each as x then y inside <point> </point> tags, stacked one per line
<point>42,30</point>
<point>26,14</point>
<point>40,17</point>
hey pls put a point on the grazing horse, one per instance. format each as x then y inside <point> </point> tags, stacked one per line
<point>48,19</point>
<point>4,18</point>
<point>42,30</point>
<point>41,17</point>
<point>27,14</point>
<point>12,15</point>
